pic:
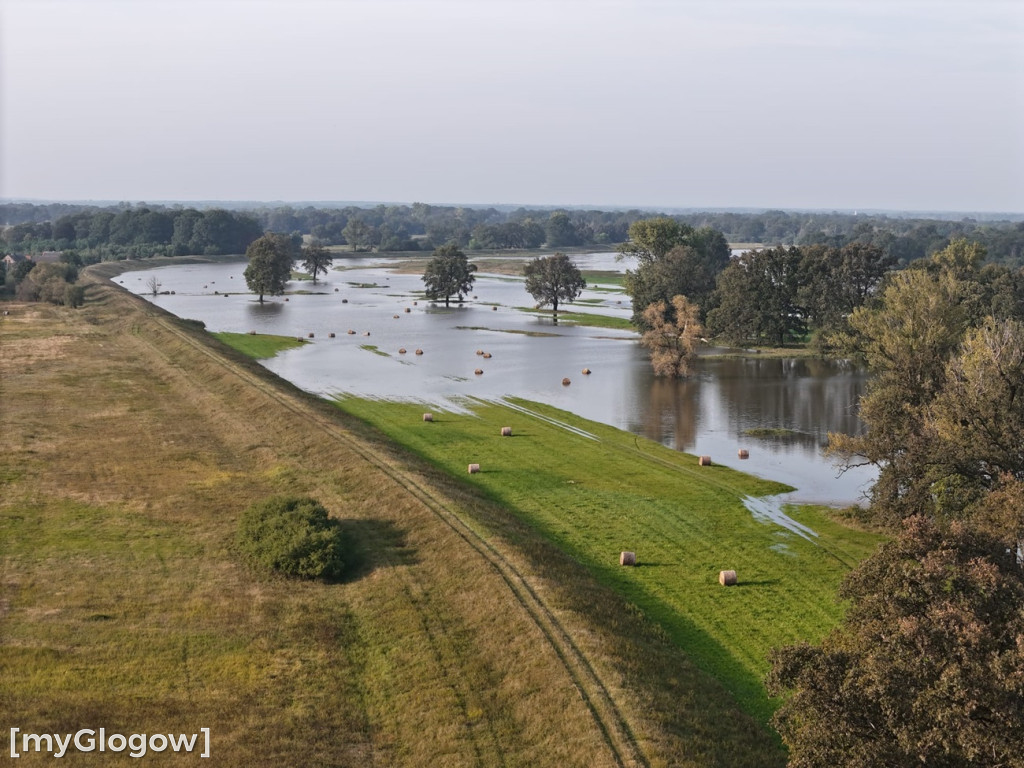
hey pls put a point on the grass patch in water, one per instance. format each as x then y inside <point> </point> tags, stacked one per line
<point>773,432</point>
<point>596,497</point>
<point>373,348</point>
<point>260,345</point>
<point>584,318</point>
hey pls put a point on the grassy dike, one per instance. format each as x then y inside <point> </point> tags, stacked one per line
<point>594,491</point>
<point>132,443</point>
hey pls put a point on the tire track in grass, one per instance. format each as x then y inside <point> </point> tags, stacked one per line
<point>611,722</point>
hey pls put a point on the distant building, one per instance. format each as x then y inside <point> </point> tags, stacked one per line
<point>46,257</point>
<point>14,258</point>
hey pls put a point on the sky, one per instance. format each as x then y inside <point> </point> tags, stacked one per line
<point>838,104</point>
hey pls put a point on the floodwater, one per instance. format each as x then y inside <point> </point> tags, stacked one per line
<point>530,356</point>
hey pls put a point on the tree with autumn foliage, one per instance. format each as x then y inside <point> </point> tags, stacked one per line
<point>673,335</point>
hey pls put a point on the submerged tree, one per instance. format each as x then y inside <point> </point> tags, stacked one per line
<point>553,279</point>
<point>673,335</point>
<point>270,264</point>
<point>448,274</point>
<point>315,259</point>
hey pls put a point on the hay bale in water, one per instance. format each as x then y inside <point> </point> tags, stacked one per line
<point>743,453</point>
<point>285,298</point>
<point>487,355</point>
<point>704,461</point>
<point>311,335</point>
<point>401,350</point>
<point>566,381</point>
<point>428,417</point>
<point>344,301</point>
<point>394,317</point>
<point>351,332</point>
<point>474,468</point>
<point>479,372</point>
<point>479,351</point>
<point>367,333</point>
<point>407,310</point>
<point>494,308</point>
<point>415,303</point>
<point>727,578</point>
<point>506,431</point>
<point>586,371</point>
<point>419,351</point>
<point>335,290</point>
<point>330,335</point>
<point>474,295</point>
<point>627,558</point>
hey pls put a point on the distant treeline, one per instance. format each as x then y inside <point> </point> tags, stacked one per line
<point>139,231</point>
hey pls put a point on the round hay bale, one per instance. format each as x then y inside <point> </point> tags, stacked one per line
<point>401,350</point>
<point>344,301</point>
<point>474,468</point>
<point>174,293</point>
<point>252,333</point>
<point>487,355</point>
<point>727,578</point>
<point>285,298</point>
<point>478,372</point>
<point>205,286</point>
<point>479,351</point>
<point>407,310</point>
<point>566,381</point>
<point>428,417</point>
<point>335,290</point>
<point>300,339</point>
<point>217,293</point>
<point>743,453</point>
<point>586,371</point>
<point>627,558</point>
<point>330,335</point>
<point>311,335</point>
<point>367,333</point>
<point>474,295</point>
<point>394,317</point>
<point>351,332</point>
<point>415,303</point>
<point>704,461</point>
<point>506,431</point>
<point>419,351</point>
<point>494,308</point>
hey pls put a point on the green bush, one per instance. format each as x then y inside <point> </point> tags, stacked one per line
<point>293,536</point>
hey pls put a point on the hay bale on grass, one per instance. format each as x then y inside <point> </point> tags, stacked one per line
<point>474,468</point>
<point>311,335</point>
<point>506,431</point>
<point>704,461</point>
<point>428,417</point>
<point>252,333</point>
<point>627,558</point>
<point>727,578</point>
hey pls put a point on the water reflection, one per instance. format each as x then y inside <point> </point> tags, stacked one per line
<point>710,413</point>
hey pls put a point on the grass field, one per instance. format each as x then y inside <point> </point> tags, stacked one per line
<point>133,441</point>
<point>258,346</point>
<point>595,491</point>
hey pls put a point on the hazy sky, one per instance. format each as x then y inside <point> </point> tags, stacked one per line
<point>886,104</point>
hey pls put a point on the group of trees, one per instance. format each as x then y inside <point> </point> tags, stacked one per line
<point>928,666</point>
<point>54,282</point>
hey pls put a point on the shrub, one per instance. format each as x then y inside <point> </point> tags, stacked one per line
<point>292,536</point>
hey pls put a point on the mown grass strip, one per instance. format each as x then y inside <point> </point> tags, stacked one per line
<point>596,498</point>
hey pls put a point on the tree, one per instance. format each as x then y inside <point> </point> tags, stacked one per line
<point>270,264</point>
<point>153,284</point>
<point>651,239</point>
<point>358,234</point>
<point>927,667</point>
<point>757,298</point>
<point>673,342</point>
<point>560,231</point>
<point>448,274</point>
<point>553,279</point>
<point>315,259</point>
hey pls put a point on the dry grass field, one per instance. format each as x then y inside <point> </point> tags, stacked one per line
<point>131,443</point>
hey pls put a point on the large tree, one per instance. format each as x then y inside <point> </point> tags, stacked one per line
<point>553,279</point>
<point>448,273</point>
<point>270,264</point>
<point>315,259</point>
<point>757,299</point>
<point>927,668</point>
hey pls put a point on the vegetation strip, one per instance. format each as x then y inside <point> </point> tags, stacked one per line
<point>595,491</point>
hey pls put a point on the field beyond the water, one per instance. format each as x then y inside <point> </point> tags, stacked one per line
<point>469,631</point>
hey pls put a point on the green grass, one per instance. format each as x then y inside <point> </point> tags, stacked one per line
<point>375,349</point>
<point>603,278</point>
<point>584,318</point>
<point>772,432</point>
<point>260,345</point>
<point>595,491</point>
